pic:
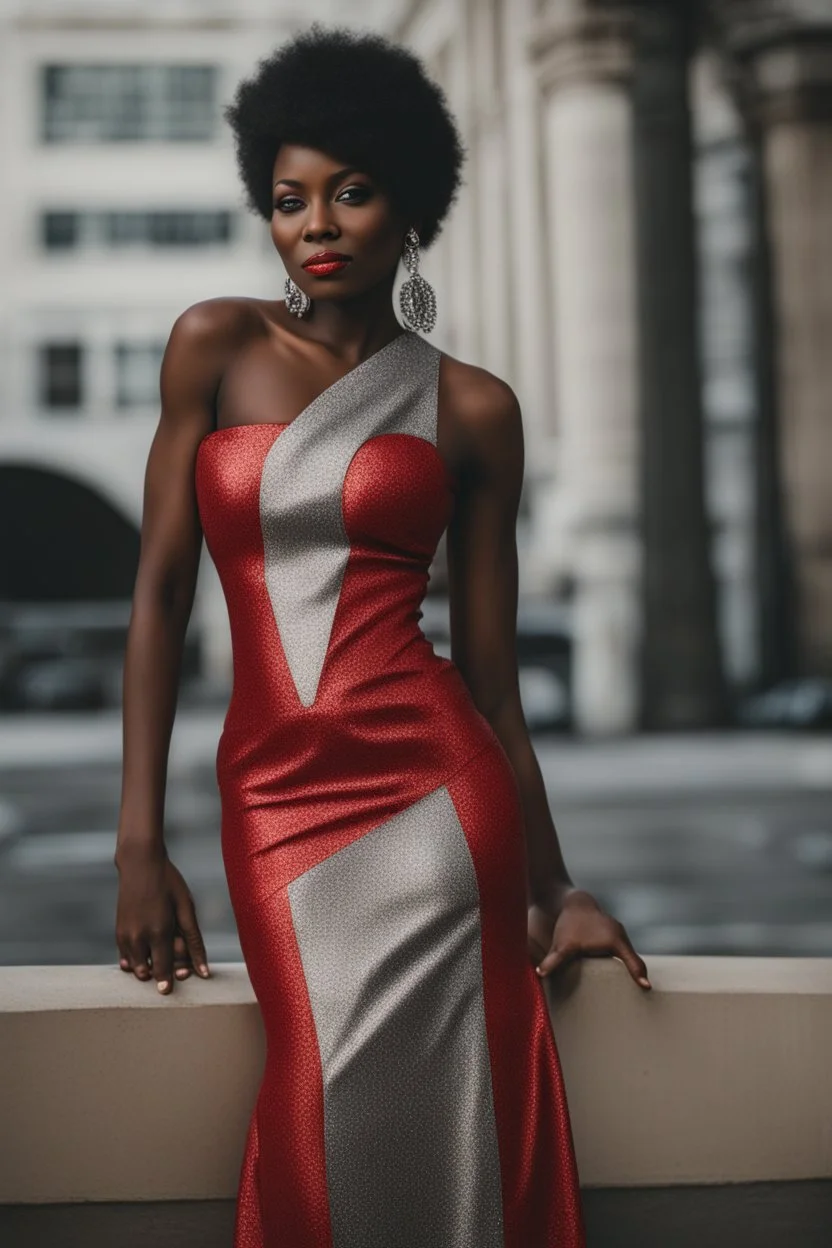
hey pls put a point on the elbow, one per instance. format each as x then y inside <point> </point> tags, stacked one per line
<point>170,596</point>
<point>504,711</point>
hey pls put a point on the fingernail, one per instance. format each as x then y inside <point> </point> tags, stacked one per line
<point>162,985</point>
<point>644,981</point>
<point>203,970</point>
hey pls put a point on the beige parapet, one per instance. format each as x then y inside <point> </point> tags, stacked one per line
<point>720,1074</point>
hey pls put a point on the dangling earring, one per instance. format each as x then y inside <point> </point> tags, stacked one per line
<point>417,298</point>
<point>297,301</point>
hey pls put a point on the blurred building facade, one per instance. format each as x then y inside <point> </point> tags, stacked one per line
<point>641,248</point>
<point>123,207</point>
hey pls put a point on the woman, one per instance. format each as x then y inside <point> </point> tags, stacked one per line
<point>392,863</point>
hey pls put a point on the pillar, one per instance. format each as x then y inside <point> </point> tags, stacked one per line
<point>788,95</point>
<point>626,368</point>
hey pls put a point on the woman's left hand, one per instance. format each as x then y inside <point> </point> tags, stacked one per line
<point>576,926</point>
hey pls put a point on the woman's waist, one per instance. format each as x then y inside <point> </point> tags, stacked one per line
<point>384,723</point>
<point>295,680</point>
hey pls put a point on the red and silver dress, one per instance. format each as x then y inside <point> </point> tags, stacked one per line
<point>373,841</point>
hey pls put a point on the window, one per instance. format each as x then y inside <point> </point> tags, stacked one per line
<point>116,229</point>
<point>166,229</point>
<point>60,375</point>
<point>128,103</point>
<point>59,230</point>
<point>137,372</point>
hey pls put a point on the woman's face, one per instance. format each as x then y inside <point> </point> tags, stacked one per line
<point>318,204</point>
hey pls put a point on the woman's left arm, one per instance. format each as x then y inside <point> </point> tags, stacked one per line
<point>564,921</point>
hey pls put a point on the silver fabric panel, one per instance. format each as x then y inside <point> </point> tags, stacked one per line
<point>305,544</point>
<point>389,935</point>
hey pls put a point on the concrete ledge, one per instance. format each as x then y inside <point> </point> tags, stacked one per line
<point>113,1093</point>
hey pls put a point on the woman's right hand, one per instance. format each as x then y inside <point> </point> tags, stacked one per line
<point>156,924</point>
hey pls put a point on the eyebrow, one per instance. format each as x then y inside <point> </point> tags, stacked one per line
<point>333,177</point>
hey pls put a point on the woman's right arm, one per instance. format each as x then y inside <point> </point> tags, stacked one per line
<point>155,908</point>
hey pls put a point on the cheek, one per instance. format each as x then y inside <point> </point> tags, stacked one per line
<point>377,228</point>
<point>283,246</point>
<point>283,227</point>
<point>382,253</point>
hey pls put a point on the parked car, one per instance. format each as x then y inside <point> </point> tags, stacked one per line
<point>67,683</point>
<point>68,656</point>
<point>802,704</point>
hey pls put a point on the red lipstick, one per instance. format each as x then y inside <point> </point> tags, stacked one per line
<point>324,262</point>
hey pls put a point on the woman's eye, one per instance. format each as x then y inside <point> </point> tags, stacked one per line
<point>287,199</point>
<point>363,192</point>
<point>288,202</point>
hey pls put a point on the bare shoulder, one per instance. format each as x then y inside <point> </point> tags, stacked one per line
<point>483,409</point>
<point>214,323</point>
<point>201,343</point>
<point>475,394</point>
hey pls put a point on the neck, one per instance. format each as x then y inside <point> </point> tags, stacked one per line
<point>354,327</point>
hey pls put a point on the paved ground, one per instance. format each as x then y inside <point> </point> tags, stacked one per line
<point>700,844</point>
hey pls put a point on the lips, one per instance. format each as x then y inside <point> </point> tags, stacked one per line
<point>326,262</point>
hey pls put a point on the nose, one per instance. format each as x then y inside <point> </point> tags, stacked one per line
<point>319,223</point>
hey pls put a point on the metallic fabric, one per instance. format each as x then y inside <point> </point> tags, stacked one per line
<point>306,544</point>
<point>373,841</point>
<point>389,937</point>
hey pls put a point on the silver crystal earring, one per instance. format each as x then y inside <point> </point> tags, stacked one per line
<point>297,301</point>
<point>417,298</point>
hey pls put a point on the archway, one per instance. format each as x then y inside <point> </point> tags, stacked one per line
<point>63,542</point>
<point>68,563</point>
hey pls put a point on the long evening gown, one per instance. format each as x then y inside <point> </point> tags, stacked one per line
<point>372,836</point>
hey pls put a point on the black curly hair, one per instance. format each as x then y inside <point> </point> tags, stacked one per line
<point>361,98</point>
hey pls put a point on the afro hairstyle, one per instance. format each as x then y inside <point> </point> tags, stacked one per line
<point>358,97</point>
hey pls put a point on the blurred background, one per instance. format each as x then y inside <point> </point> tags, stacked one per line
<point>642,249</point>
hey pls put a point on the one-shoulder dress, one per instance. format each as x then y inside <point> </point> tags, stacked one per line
<point>372,836</point>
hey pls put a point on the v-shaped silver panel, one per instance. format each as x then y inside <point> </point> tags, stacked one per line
<point>305,543</point>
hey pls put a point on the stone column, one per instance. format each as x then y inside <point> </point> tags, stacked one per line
<point>726,212</point>
<point>626,367</point>
<point>585,69</point>
<point>787,64</point>
<point>681,662</point>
